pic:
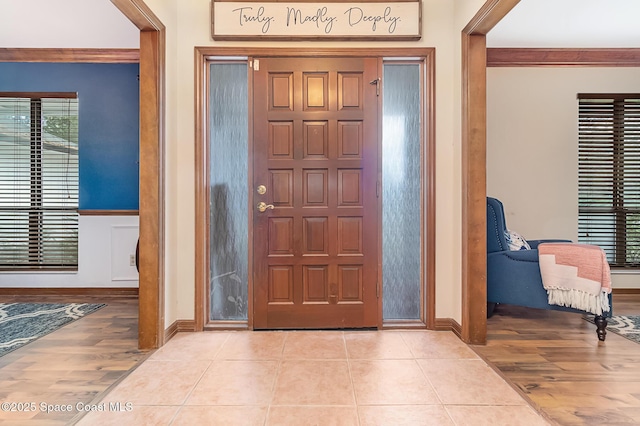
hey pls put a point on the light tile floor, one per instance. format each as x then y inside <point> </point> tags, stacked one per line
<point>314,378</point>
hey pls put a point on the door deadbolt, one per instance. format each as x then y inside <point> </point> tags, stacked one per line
<point>262,190</point>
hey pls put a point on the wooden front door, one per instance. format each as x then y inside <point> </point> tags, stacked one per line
<point>315,168</point>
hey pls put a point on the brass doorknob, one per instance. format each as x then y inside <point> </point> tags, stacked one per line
<point>263,207</point>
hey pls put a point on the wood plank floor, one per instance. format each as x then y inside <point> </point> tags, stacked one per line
<point>75,364</point>
<point>555,360</point>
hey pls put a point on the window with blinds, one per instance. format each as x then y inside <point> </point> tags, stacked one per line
<point>38,181</point>
<point>609,175</point>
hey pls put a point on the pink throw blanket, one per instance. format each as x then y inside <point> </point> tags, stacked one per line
<point>576,275</point>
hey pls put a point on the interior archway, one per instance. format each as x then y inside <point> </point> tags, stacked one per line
<point>151,209</point>
<point>474,168</point>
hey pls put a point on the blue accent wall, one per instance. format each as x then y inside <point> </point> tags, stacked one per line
<point>109,111</point>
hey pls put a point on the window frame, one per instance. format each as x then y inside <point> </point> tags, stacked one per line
<point>37,253</point>
<point>608,142</point>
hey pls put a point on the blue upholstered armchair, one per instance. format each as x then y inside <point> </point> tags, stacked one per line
<point>513,276</point>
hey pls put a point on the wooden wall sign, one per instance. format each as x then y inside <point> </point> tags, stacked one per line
<point>275,20</point>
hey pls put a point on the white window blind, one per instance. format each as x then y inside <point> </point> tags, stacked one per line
<point>38,181</point>
<point>609,175</point>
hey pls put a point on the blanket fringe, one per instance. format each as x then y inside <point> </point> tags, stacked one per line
<point>577,299</point>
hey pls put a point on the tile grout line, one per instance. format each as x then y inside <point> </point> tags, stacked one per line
<point>211,361</point>
<point>353,386</point>
<point>426,377</point>
<point>275,379</point>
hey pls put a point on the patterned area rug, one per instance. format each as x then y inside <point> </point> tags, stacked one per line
<point>21,323</point>
<point>625,326</point>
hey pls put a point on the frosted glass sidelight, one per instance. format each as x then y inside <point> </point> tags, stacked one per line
<point>228,136</point>
<point>401,191</point>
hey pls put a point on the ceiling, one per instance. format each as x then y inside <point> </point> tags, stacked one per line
<point>532,23</point>
<point>65,24</point>
<point>569,24</point>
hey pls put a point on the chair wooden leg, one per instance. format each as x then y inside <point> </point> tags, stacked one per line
<point>601,324</point>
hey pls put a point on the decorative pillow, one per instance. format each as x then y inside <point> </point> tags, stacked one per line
<point>515,241</point>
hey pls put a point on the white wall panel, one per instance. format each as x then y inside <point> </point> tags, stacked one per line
<point>104,246</point>
<point>123,249</point>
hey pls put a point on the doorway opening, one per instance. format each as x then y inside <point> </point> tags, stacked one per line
<point>315,189</point>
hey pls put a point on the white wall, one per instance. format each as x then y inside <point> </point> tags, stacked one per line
<point>105,247</point>
<point>188,25</point>
<point>179,285</point>
<point>532,145</point>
